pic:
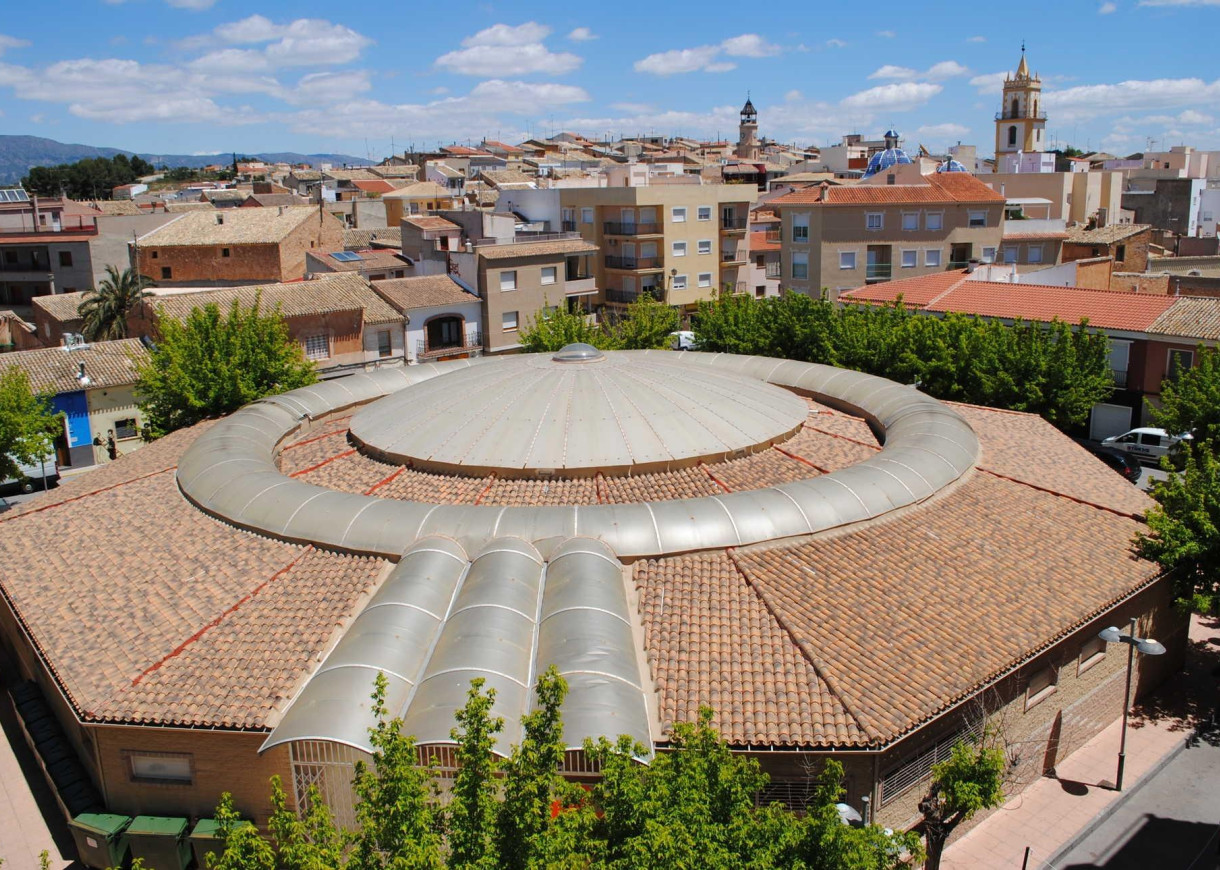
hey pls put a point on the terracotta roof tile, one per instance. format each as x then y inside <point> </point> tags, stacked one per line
<point>61,306</point>
<point>1105,235</point>
<point>424,291</point>
<point>54,369</point>
<point>1190,317</point>
<point>324,295</point>
<point>240,226</point>
<point>939,187</point>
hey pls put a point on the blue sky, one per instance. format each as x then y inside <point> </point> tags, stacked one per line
<point>196,76</point>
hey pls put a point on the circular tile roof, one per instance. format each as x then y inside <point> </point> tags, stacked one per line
<point>578,412</point>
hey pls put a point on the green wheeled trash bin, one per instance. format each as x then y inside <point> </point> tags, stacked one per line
<point>101,839</point>
<point>204,839</point>
<point>160,841</point>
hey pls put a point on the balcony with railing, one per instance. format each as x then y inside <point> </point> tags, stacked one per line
<point>777,236</point>
<point>1120,377</point>
<point>878,271</point>
<point>734,224</point>
<point>618,228</point>
<point>619,296</point>
<point>635,264</point>
<point>773,270</point>
<point>68,224</point>
<point>470,344</point>
<point>581,286</point>
<point>955,265</point>
<point>1020,116</point>
<point>568,226</point>
<point>730,256</point>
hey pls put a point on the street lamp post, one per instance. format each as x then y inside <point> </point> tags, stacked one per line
<point>1147,646</point>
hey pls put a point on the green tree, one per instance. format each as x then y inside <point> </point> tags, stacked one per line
<point>105,310</point>
<point>308,840</point>
<point>398,821</point>
<point>553,328</point>
<point>1185,527</point>
<point>1190,402</point>
<point>242,847</point>
<point>212,365</point>
<point>472,810</point>
<point>646,325</point>
<point>969,780</point>
<point>27,425</point>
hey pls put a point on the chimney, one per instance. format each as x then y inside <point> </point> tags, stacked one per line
<point>971,265</point>
<point>220,219</point>
<point>281,211</point>
<point>823,192</point>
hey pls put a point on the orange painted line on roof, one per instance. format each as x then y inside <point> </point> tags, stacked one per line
<point>720,483</point>
<point>844,437</point>
<point>318,465</point>
<point>84,495</point>
<point>1086,502</point>
<point>180,648</point>
<point>379,484</point>
<point>297,444</point>
<point>491,481</point>
<point>598,480</point>
<point>801,459</point>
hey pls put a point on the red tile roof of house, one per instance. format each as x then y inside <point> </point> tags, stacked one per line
<point>378,185</point>
<point>939,187</point>
<point>1103,309</point>
<point>758,242</point>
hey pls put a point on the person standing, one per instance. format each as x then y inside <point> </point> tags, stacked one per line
<point>112,447</point>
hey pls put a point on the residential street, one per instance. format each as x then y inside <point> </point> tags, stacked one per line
<point>1171,823</point>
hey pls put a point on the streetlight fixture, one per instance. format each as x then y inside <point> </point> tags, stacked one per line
<point>1147,646</point>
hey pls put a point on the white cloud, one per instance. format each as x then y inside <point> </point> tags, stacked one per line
<point>946,69</point>
<point>1089,101</point>
<point>904,95</point>
<point>887,34</point>
<point>503,49</point>
<point>231,60</point>
<point>793,95</point>
<point>749,45</point>
<point>582,34</point>
<point>256,28</point>
<point>7,42</point>
<point>990,83</point>
<point>1106,9</point>
<point>1190,116</point>
<point>303,42</point>
<point>836,43</point>
<point>977,39</point>
<point>632,108</point>
<point>938,135</point>
<point>329,87</point>
<point>706,58</point>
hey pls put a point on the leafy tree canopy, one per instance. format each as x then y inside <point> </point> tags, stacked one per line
<point>971,779</point>
<point>646,324</point>
<point>1055,370</point>
<point>27,425</point>
<point>1191,401</point>
<point>212,365</point>
<point>91,178</point>
<point>105,309</point>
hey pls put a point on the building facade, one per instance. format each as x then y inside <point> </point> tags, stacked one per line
<point>1020,125</point>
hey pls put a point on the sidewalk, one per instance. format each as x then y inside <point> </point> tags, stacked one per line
<point>1051,813</point>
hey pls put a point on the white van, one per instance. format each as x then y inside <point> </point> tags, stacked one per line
<point>32,475</point>
<point>1145,442</point>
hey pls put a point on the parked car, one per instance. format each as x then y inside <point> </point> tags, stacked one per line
<point>38,475</point>
<point>1145,443</point>
<point>1125,464</point>
<point>682,340</point>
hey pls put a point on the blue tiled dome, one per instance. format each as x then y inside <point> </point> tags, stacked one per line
<point>951,165</point>
<point>891,156</point>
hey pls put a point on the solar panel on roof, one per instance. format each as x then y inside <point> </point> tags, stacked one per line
<point>14,195</point>
<point>346,256</point>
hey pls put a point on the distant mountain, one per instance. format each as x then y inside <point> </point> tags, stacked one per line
<point>19,153</point>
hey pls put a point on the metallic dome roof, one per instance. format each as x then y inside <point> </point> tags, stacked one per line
<point>578,412</point>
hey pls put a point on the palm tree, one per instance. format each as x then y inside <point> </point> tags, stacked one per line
<point>105,310</point>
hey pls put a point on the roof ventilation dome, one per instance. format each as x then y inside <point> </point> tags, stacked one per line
<point>578,353</point>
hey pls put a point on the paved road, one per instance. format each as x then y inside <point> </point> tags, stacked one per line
<point>1150,475</point>
<point>1172,822</point>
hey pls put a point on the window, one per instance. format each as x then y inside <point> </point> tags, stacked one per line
<point>1010,254</point>
<point>317,347</point>
<point>126,429</point>
<point>679,249</point>
<point>800,229</point>
<point>760,291</point>
<point>548,274</point>
<point>11,256</point>
<point>978,218</point>
<point>704,213</point>
<point>508,320</point>
<point>933,221</point>
<point>1179,361</point>
<point>1035,254</point>
<point>444,332</point>
<point>800,265</point>
<point>679,214</point>
<point>679,282</point>
<point>873,220</point>
<point>910,221</point>
<point>1092,651</point>
<point>1120,253</point>
<point>154,255</point>
<point>988,255</point>
<point>385,345</point>
<point>931,257</point>
<point>705,246</point>
<point>586,215</point>
<point>847,259</point>
<point>705,279</point>
<point>910,259</point>
<point>165,768</point>
<point>167,273</point>
<point>224,252</point>
<point>1041,686</point>
<point>508,279</point>
<point>1150,439</point>
<point>1012,136</point>
<point>65,258</point>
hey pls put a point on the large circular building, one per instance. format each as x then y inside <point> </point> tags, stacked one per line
<point>834,562</point>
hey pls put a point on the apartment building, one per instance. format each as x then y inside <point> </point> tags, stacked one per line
<point>236,246</point>
<point>681,242</point>
<point>44,247</point>
<point>898,223</point>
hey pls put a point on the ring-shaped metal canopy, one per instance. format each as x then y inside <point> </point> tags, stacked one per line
<point>230,472</point>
